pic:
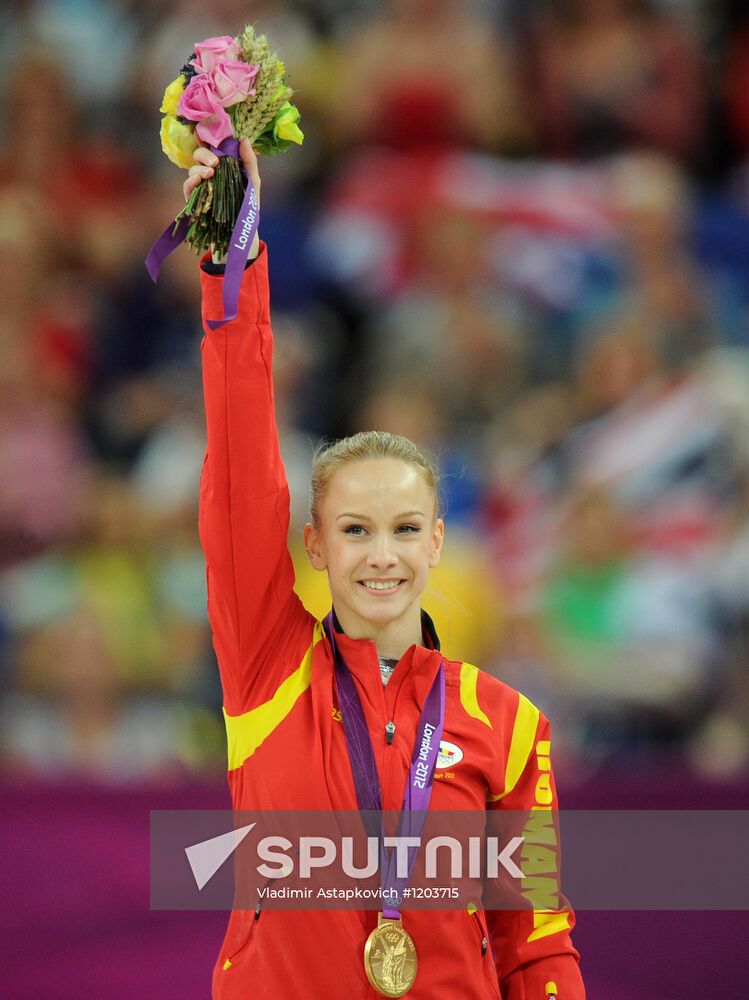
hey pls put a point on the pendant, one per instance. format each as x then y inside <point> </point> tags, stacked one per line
<point>390,958</point>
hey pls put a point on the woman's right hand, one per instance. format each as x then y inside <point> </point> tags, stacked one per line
<point>205,162</point>
<point>203,169</point>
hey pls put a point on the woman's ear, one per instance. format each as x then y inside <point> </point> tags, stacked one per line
<point>314,548</point>
<point>438,538</point>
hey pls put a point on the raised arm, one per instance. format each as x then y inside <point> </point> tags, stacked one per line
<point>259,625</point>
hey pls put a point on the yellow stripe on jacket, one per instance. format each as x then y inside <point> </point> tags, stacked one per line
<point>469,678</point>
<point>521,744</point>
<point>246,732</point>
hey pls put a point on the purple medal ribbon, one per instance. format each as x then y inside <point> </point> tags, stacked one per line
<point>242,236</point>
<point>364,766</point>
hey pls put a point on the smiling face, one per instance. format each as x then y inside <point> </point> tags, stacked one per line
<point>377,538</point>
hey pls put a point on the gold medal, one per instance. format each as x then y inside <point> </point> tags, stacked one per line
<point>390,958</point>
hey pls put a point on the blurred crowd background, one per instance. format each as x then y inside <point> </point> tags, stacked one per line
<point>517,232</point>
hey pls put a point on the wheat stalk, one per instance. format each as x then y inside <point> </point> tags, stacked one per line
<point>253,115</point>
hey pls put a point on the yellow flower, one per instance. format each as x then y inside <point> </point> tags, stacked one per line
<point>178,141</point>
<point>172,95</point>
<point>285,125</point>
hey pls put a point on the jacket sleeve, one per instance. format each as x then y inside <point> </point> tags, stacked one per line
<point>260,628</point>
<point>533,951</point>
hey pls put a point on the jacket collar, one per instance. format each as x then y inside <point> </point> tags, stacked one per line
<point>417,667</point>
<point>428,632</point>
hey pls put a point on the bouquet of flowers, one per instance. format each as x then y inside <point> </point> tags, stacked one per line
<point>229,89</point>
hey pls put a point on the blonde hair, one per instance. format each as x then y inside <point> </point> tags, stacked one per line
<point>367,444</point>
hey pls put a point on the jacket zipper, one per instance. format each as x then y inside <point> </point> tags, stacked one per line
<point>231,959</point>
<point>474,915</point>
<point>385,771</point>
<point>478,923</point>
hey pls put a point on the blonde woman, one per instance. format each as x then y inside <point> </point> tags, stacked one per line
<point>298,692</point>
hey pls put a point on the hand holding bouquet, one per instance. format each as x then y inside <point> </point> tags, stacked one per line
<point>204,164</point>
<point>230,89</point>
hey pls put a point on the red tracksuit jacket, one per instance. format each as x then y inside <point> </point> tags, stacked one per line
<point>279,704</point>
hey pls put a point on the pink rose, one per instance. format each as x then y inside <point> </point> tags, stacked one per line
<point>212,50</point>
<point>198,104</point>
<point>232,81</point>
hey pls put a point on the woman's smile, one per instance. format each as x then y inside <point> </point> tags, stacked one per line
<point>381,588</point>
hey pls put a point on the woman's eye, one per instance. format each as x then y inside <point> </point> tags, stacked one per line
<point>353,529</point>
<point>408,527</point>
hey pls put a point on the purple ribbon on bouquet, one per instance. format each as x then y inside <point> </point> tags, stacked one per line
<point>243,234</point>
<point>364,766</point>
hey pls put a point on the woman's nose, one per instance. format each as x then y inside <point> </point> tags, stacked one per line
<point>381,552</point>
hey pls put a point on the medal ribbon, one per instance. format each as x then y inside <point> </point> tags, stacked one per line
<point>364,766</point>
<point>242,236</point>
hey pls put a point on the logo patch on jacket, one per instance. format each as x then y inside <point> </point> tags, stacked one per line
<point>449,755</point>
